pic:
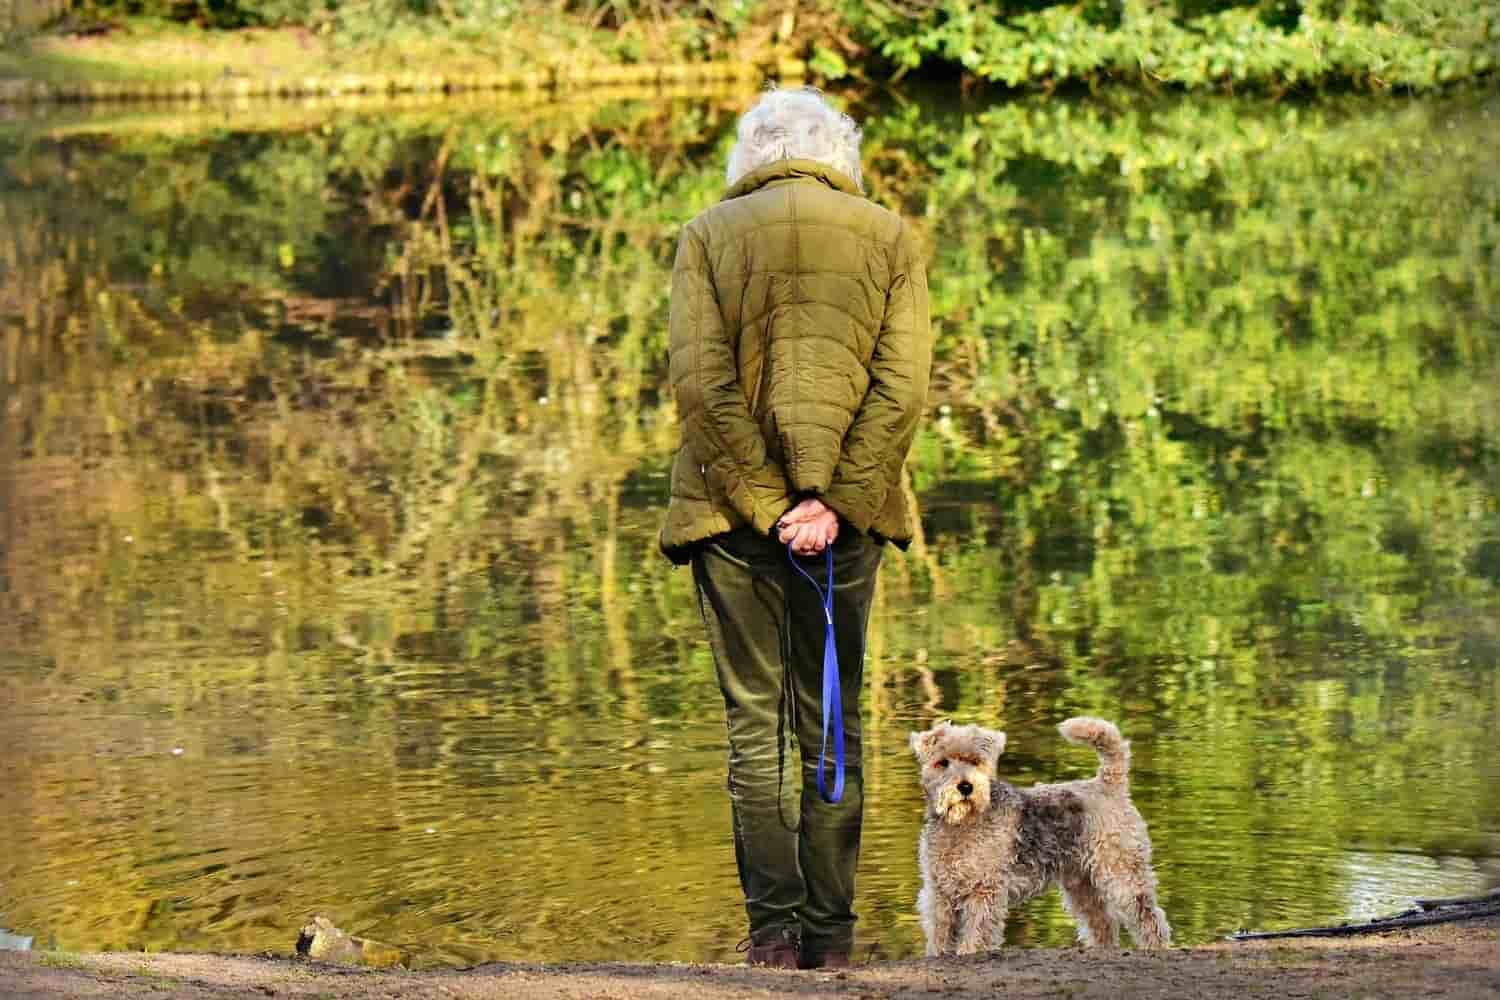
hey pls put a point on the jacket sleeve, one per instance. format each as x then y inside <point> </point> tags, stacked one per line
<point>886,422</point>
<point>717,426</point>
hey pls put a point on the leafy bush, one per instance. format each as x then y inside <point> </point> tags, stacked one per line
<point>1268,44</point>
<point>723,15</point>
<point>1418,44</point>
<point>211,13</point>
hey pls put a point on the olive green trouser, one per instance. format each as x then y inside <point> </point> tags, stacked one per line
<point>796,853</point>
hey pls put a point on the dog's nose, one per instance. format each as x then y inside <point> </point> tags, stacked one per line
<point>964,788</point>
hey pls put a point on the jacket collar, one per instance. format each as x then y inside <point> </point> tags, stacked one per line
<point>793,170</point>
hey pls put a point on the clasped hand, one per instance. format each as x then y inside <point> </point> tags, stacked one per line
<point>809,528</point>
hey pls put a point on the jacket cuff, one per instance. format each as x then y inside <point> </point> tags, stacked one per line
<point>844,504</point>
<point>763,518</point>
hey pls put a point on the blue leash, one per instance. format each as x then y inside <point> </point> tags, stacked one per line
<point>833,705</point>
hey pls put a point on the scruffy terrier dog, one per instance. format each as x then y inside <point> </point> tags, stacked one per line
<point>988,845</point>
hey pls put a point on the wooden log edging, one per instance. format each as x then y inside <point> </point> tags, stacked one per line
<point>666,75</point>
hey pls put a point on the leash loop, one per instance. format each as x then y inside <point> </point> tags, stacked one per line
<point>833,706</point>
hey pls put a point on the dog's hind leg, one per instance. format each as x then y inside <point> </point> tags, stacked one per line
<point>1090,912</point>
<point>1131,899</point>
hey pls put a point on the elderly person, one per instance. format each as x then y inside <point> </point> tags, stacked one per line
<point>800,351</point>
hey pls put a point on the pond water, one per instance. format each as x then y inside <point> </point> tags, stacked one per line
<point>333,446</point>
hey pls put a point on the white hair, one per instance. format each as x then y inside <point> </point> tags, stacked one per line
<point>795,124</point>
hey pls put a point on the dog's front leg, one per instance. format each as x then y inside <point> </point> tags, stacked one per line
<point>939,922</point>
<point>983,914</point>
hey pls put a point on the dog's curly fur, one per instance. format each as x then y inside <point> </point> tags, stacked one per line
<point>987,845</point>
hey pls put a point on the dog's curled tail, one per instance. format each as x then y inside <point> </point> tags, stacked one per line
<point>1113,749</point>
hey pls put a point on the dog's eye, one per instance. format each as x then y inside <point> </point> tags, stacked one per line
<point>940,763</point>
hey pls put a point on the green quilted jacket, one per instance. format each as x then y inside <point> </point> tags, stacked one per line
<point>800,352</point>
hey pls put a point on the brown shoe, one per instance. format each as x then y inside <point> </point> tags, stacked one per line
<point>825,960</point>
<point>777,949</point>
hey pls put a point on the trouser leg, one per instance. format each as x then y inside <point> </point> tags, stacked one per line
<point>741,595</point>
<point>828,846</point>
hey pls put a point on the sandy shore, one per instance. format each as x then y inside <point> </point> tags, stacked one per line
<point>1447,961</point>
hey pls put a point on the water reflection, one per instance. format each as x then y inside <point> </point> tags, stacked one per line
<point>332,457</point>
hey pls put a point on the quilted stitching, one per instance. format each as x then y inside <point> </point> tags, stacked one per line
<point>800,352</point>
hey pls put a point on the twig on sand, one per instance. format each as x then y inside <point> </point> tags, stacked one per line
<point>1425,913</point>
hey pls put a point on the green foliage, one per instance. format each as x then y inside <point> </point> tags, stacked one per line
<point>1416,44</point>
<point>827,63</point>
<point>362,20</point>
<point>212,13</point>
<point>1271,45</point>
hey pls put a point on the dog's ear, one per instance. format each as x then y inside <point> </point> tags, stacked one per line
<point>991,744</point>
<point>922,744</point>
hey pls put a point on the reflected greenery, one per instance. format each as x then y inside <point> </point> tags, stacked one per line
<point>331,462</point>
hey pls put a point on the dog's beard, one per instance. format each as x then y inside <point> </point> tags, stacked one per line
<point>955,807</point>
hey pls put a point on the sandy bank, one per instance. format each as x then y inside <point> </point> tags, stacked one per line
<point>1446,961</point>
